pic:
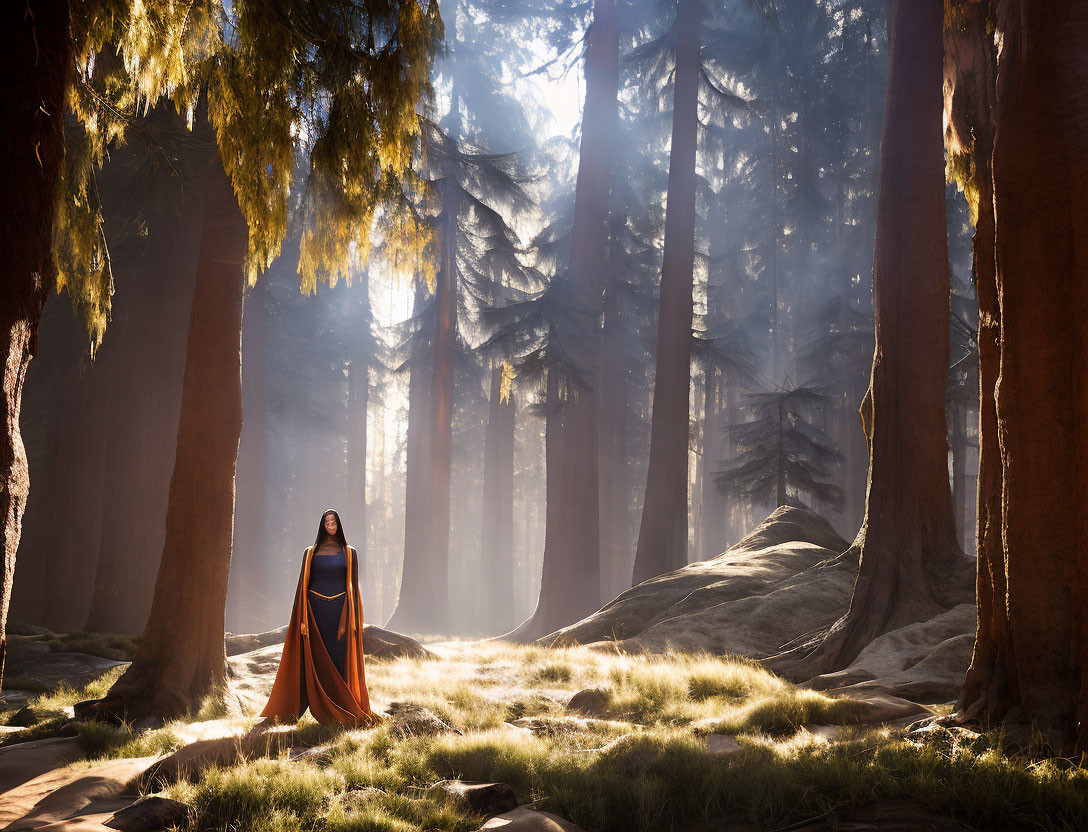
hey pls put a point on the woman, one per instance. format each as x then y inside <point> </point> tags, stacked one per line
<point>322,662</point>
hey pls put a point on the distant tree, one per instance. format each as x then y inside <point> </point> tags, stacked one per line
<point>782,450</point>
<point>472,194</point>
<point>663,532</point>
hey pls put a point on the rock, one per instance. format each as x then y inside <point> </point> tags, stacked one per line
<point>524,819</point>
<point>782,580</point>
<point>412,720</point>
<point>22,718</point>
<point>880,707</point>
<point>60,794</point>
<point>721,744</point>
<point>479,798</point>
<point>216,743</point>
<point>49,670</point>
<point>152,813</point>
<point>591,702</point>
<point>355,800</point>
<point>558,725</point>
<point>24,761</point>
<point>925,661</point>
<point>377,643</point>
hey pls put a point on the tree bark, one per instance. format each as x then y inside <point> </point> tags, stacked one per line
<point>417,467</point>
<point>423,605</point>
<point>180,658</point>
<point>358,412</point>
<point>663,534</point>
<point>1031,655</point>
<point>37,73</point>
<point>252,588</point>
<point>910,565</point>
<point>497,534</point>
<point>571,573</point>
<point>148,360</point>
<point>714,510</point>
<point>959,471</point>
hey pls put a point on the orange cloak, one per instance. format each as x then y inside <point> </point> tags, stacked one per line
<point>305,662</point>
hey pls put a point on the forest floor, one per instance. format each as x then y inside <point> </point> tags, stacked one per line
<point>600,739</point>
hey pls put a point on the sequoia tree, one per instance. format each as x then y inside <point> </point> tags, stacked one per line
<point>571,577</point>
<point>1031,657</point>
<point>180,656</point>
<point>910,565</point>
<point>663,534</point>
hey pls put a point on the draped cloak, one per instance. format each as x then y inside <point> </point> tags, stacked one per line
<point>305,662</point>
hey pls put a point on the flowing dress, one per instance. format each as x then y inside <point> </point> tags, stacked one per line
<point>322,663</point>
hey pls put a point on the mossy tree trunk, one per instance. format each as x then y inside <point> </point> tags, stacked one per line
<point>180,658</point>
<point>36,62</point>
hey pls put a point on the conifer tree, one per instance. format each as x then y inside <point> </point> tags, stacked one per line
<point>781,450</point>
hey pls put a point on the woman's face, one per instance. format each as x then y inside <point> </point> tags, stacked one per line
<point>330,524</point>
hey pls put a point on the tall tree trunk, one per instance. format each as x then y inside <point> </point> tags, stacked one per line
<point>48,394</point>
<point>712,507</point>
<point>253,585</point>
<point>663,534</point>
<point>148,359</point>
<point>423,606</point>
<point>180,658</point>
<point>358,411</point>
<point>37,71</point>
<point>615,551</point>
<point>417,470</point>
<point>910,566</point>
<point>497,532</point>
<point>571,573</point>
<point>1031,655</point>
<point>959,471</point>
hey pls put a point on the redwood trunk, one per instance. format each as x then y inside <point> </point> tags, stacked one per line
<point>497,534</point>
<point>148,358</point>
<point>712,508</point>
<point>663,535</point>
<point>571,574</point>
<point>358,411</point>
<point>36,63</point>
<point>180,657</point>
<point>911,567</point>
<point>253,582</point>
<point>416,492</point>
<point>959,471</point>
<point>423,606</point>
<point>1031,655</point>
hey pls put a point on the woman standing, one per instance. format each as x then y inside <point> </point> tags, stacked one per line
<point>322,663</point>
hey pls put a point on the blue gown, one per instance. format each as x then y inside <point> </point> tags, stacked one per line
<point>327,596</point>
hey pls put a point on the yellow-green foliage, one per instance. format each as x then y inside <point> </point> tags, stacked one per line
<point>332,88</point>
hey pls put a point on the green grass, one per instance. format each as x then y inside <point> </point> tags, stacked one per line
<point>49,709</point>
<point>106,645</point>
<point>102,741</point>
<point>646,767</point>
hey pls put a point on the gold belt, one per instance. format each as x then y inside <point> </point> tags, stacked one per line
<point>328,597</point>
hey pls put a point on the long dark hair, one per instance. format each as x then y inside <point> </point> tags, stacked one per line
<point>322,535</point>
